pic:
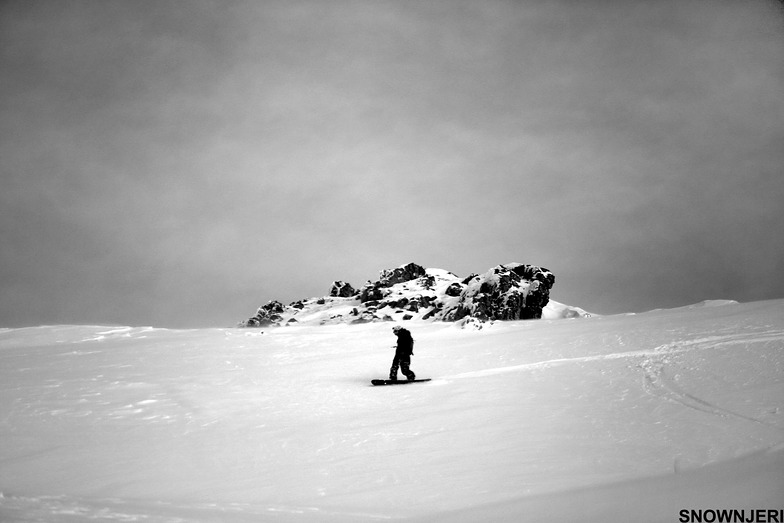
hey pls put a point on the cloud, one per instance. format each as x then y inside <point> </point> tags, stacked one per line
<point>176,165</point>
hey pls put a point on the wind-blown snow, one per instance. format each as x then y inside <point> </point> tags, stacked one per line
<point>619,418</point>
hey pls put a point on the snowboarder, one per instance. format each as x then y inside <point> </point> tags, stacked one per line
<point>403,352</point>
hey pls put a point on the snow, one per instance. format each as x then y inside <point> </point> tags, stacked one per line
<point>554,310</point>
<point>600,418</point>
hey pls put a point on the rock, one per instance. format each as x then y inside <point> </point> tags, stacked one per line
<point>405,273</point>
<point>341,289</point>
<point>468,280</point>
<point>512,291</point>
<point>542,280</point>
<point>267,315</point>
<point>427,282</point>
<point>454,290</point>
<point>431,313</point>
<point>505,292</point>
<point>371,292</point>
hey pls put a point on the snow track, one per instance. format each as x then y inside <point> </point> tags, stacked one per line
<point>660,370</point>
<point>552,363</point>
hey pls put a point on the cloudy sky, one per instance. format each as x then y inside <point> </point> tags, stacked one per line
<point>178,164</point>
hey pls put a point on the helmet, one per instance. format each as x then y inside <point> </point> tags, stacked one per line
<point>396,328</point>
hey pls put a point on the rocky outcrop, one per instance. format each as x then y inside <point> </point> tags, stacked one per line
<point>267,315</point>
<point>342,289</point>
<point>513,291</point>
<point>412,271</point>
<point>376,291</point>
<point>506,292</point>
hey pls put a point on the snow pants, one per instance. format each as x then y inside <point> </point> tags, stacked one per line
<point>403,361</point>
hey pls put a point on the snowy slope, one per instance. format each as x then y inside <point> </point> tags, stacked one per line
<point>618,418</point>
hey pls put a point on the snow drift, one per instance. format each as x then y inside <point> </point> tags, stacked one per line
<point>615,418</point>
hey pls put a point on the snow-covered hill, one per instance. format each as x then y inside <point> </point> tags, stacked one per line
<point>410,292</point>
<point>614,418</point>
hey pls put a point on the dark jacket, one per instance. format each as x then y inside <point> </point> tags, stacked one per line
<point>405,343</point>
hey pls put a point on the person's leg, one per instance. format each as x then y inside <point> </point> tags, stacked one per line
<point>408,373</point>
<point>393,370</point>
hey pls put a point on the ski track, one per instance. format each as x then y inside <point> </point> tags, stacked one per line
<point>654,365</point>
<point>657,379</point>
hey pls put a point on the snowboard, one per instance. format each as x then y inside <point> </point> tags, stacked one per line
<point>396,382</point>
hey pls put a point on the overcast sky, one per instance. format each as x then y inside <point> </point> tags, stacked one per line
<point>178,164</point>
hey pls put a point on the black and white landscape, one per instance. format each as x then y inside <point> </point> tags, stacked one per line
<point>193,193</point>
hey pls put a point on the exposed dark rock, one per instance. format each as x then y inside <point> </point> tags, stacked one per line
<point>268,314</point>
<point>512,291</point>
<point>371,292</point>
<point>506,292</point>
<point>454,290</point>
<point>397,304</point>
<point>342,289</point>
<point>431,314</point>
<point>468,280</point>
<point>409,272</point>
<point>542,280</point>
<point>427,282</point>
